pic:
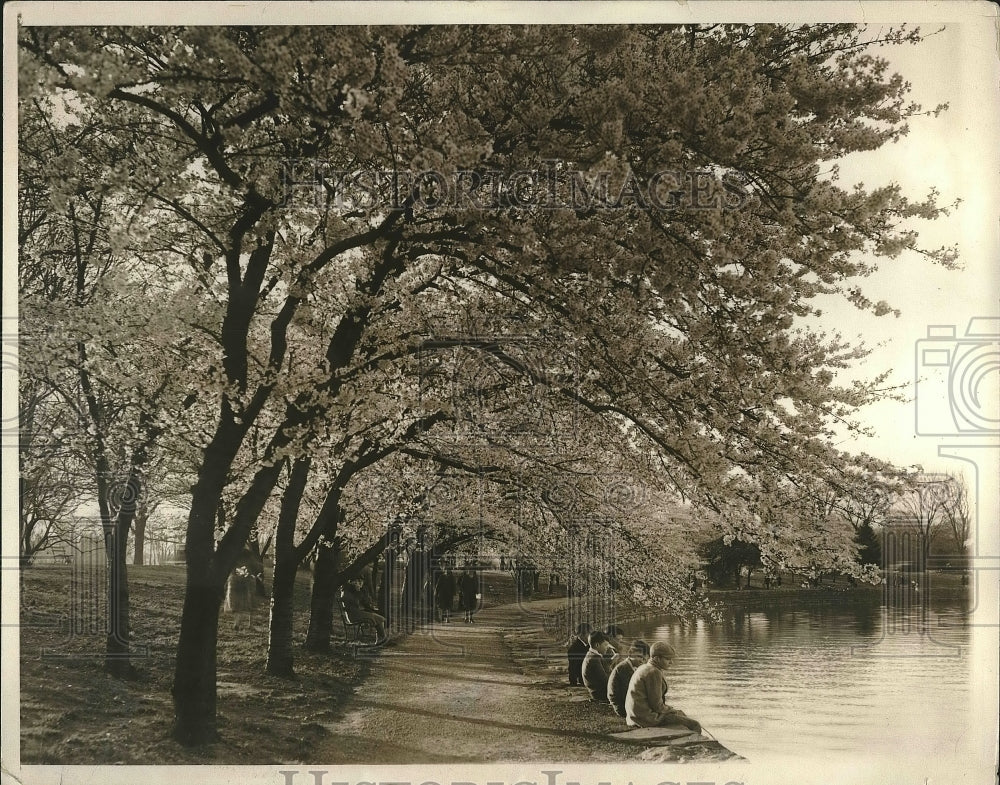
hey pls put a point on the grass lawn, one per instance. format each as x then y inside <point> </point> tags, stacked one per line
<point>72,712</point>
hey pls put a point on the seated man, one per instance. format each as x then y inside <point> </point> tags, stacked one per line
<point>596,667</point>
<point>358,609</point>
<point>645,704</point>
<point>616,637</point>
<point>576,651</point>
<point>621,675</point>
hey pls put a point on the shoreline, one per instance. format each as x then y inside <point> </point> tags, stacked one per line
<point>503,676</point>
<point>541,658</point>
<point>494,691</point>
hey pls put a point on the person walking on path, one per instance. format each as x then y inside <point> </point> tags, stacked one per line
<point>621,675</point>
<point>444,594</point>
<point>645,704</point>
<point>417,608</point>
<point>468,588</point>
<point>596,669</point>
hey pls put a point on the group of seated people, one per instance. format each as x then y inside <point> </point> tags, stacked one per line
<point>634,683</point>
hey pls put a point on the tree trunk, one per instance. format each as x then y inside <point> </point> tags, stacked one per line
<point>286,562</point>
<point>195,672</point>
<point>324,587</point>
<point>116,657</point>
<point>139,538</point>
<point>279,641</point>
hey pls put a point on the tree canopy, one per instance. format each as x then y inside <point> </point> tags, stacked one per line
<point>539,256</point>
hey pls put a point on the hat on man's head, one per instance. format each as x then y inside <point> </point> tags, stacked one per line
<point>662,649</point>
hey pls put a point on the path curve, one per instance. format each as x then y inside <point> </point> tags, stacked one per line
<point>493,690</point>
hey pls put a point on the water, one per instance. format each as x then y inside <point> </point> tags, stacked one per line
<point>842,674</point>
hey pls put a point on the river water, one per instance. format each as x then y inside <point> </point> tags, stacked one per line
<point>861,674</point>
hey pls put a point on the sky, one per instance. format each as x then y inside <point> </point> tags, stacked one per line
<point>955,153</point>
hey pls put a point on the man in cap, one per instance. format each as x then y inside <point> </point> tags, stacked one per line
<point>645,704</point>
<point>621,675</point>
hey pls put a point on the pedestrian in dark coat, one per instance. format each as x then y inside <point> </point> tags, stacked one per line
<point>444,593</point>
<point>575,652</point>
<point>468,588</point>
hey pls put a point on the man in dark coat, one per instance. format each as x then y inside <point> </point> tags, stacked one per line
<point>575,653</point>
<point>468,587</point>
<point>389,589</point>
<point>358,609</point>
<point>444,593</point>
<point>621,675</point>
<point>596,666</point>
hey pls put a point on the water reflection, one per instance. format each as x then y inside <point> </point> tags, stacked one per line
<point>843,672</point>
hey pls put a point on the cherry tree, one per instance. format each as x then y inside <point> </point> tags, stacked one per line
<point>663,195</point>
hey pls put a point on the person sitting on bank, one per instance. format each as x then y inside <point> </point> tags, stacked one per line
<point>645,704</point>
<point>616,637</point>
<point>576,652</point>
<point>621,675</point>
<point>358,609</point>
<point>596,666</point>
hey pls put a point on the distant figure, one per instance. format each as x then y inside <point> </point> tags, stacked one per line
<point>358,610</point>
<point>468,588</point>
<point>242,586</point>
<point>444,594</point>
<point>596,667</point>
<point>621,675</point>
<point>368,585</point>
<point>240,595</point>
<point>645,704</point>
<point>416,609</point>
<point>575,653</point>
<point>389,588</point>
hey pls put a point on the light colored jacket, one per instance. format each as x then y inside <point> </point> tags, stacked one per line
<point>645,705</point>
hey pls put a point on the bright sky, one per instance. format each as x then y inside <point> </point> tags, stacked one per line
<point>957,154</point>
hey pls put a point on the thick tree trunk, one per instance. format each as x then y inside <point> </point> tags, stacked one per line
<point>324,587</point>
<point>286,562</point>
<point>116,657</point>
<point>195,671</point>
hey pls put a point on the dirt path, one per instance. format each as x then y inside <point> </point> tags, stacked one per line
<point>488,691</point>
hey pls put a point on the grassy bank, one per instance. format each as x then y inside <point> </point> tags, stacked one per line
<point>72,712</point>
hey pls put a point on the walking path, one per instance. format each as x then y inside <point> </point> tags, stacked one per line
<point>493,690</point>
